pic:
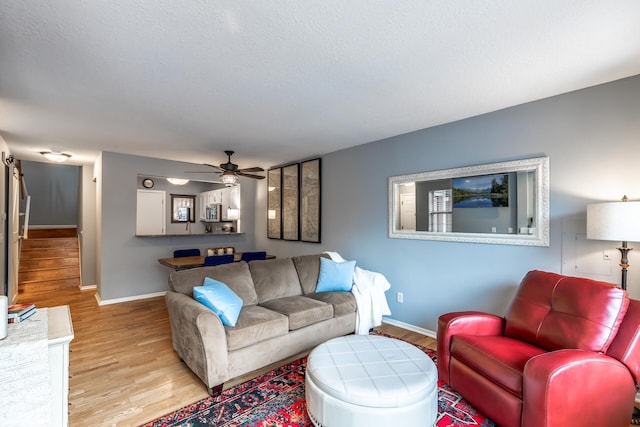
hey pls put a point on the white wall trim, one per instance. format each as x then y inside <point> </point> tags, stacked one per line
<point>126,299</point>
<point>410,327</point>
<point>87,287</point>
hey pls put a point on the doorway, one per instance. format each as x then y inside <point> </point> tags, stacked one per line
<point>408,211</point>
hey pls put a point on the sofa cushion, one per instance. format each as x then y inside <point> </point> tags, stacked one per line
<point>335,276</point>
<point>275,278</point>
<point>497,358</point>
<point>220,299</point>
<point>555,312</point>
<point>308,269</point>
<point>302,311</point>
<point>235,275</point>
<point>343,302</point>
<point>255,324</point>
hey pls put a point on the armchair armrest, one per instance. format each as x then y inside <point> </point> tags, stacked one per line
<point>198,337</point>
<point>576,387</point>
<point>462,323</point>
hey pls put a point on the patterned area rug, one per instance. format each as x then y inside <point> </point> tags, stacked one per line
<point>276,399</point>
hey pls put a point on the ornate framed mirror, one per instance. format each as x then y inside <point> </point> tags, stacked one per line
<point>501,203</point>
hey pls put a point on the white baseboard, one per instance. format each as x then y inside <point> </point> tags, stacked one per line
<point>126,299</point>
<point>409,326</point>
<point>87,287</point>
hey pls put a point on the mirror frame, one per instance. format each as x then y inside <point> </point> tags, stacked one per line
<point>541,191</point>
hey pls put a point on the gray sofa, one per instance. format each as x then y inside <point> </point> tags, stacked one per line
<point>281,316</point>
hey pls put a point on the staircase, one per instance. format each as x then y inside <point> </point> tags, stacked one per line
<point>49,261</point>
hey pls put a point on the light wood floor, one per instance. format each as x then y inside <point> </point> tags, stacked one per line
<point>123,368</point>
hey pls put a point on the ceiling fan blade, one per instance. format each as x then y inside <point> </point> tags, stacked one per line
<point>248,175</point>
<point>202,172</point>
<point>254,169</point>
<point>212,166</point>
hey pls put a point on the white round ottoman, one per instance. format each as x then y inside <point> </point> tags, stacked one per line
<point>370,381</point>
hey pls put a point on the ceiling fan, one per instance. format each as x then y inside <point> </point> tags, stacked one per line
<point>230,172</point>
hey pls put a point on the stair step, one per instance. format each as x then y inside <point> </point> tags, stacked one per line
<point>49,253</point>
<point>47,263</point>
<point>63,242</point>
<point>45,287</point>
<point>35,233</point>
<point>48,275</point>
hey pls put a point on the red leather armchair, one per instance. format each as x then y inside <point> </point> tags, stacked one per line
<point>567,353</point>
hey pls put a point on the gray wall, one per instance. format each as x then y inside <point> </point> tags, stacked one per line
<point>128,265</point>
<point>592,137</point>
<point>54,191</point>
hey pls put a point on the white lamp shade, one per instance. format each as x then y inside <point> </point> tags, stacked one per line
<point>616,221</point>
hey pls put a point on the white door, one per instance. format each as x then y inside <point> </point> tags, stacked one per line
<point>150,213</point>
<point>408,211</point>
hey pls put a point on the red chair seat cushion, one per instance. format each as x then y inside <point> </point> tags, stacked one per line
<point>499,359</point>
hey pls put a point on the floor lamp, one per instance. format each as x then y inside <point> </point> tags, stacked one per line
<point>615,221</point>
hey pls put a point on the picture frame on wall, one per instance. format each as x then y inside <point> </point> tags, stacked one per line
<point>274,205</point>
<point>310,178</point>
<point>290,202</point>
<point>294,201</point>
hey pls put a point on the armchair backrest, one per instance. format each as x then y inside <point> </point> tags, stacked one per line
<point>555,312</point>
<point>626,345</point>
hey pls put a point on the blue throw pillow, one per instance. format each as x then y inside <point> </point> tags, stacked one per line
<point>335,276</point>
<point>220,299</point>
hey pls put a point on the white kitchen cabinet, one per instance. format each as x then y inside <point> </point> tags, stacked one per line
<point>227,197</point>
<point>150,213</point>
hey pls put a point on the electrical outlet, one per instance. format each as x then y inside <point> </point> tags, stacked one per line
<point>400,297</point>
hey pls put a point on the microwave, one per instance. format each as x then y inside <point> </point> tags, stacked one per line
<point>213,213</point>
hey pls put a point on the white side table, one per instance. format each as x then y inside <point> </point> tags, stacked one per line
<point>60,335</point>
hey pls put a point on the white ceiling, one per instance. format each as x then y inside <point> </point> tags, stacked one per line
<point>279,81</point>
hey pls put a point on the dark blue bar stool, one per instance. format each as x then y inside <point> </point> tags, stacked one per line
<point>217,260</point>
<point>251,256</point>
<point>186,252</point>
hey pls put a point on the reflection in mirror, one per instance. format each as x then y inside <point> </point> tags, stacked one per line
<point>183,208</point>
<point>505,203</point>
<point>201,207</point>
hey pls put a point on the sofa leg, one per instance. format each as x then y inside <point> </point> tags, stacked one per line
<point>216,391</point>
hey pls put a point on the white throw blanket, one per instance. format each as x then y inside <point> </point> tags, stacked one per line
<point>368,289</point>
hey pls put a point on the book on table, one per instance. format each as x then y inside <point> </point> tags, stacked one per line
<point>20,312</point>
<point>23,317</point>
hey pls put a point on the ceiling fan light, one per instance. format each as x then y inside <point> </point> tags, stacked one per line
<point>55,156</point>
<point>228,178</point>
<point>178,181</point>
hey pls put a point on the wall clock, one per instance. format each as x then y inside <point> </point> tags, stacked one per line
<point>147,183</point>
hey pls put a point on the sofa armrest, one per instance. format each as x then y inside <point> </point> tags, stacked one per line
<point>465,323</point>
<point>198,337</point>
<point>576,387</point>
